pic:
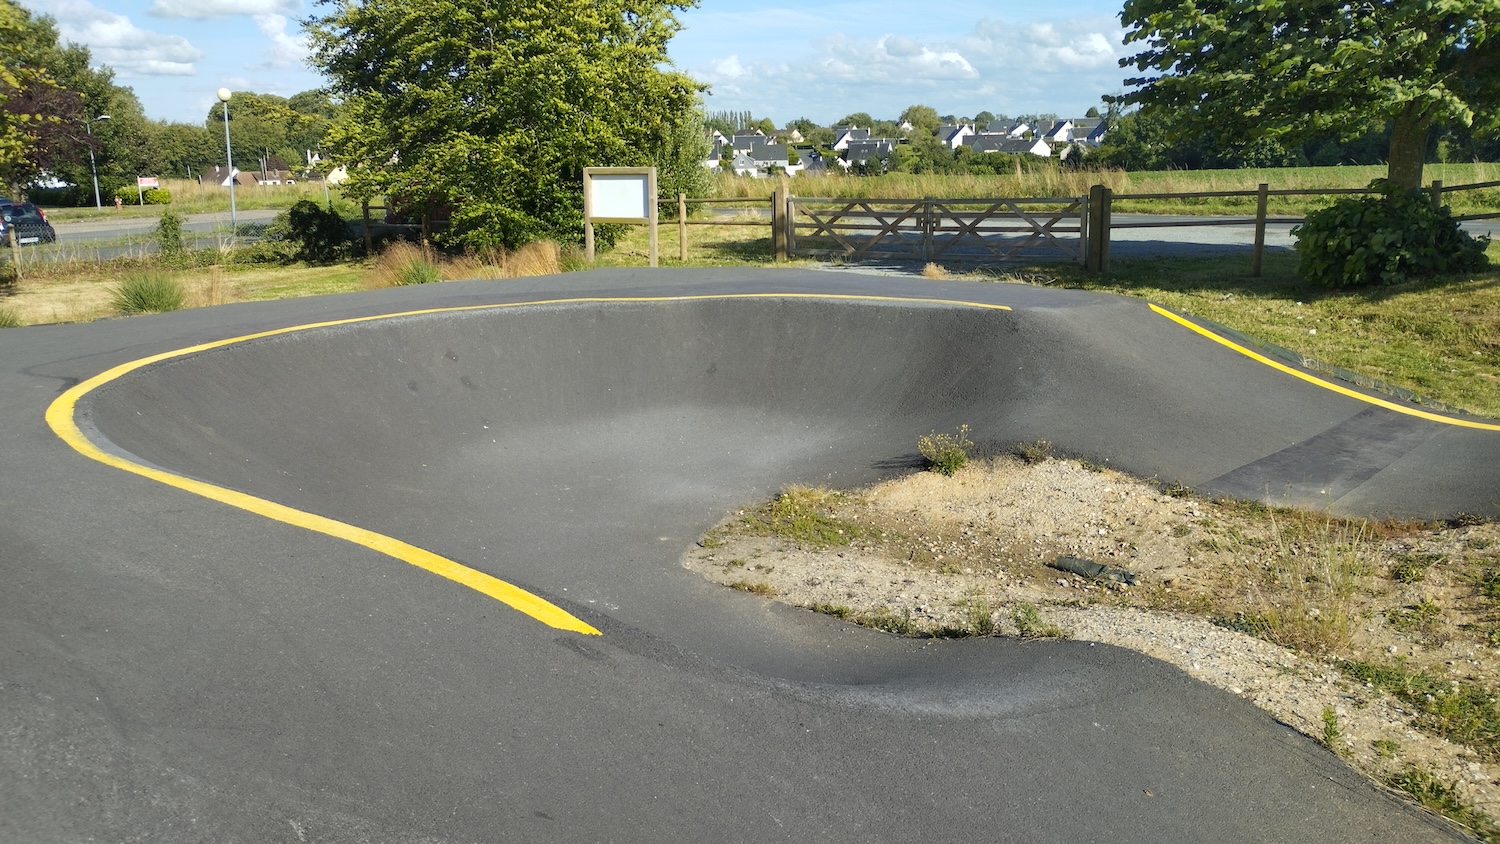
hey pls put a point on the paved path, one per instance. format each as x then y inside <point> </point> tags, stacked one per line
<point>190,653</point>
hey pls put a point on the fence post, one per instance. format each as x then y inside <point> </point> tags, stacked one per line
<point>791,225</point>
<point>1098,245</point>
<point>1262,198</point>
<point>364,209</point>
<point>928,224</point>
<point>682,227</point>
<point>15,250</point>
<point>1437,194</point>
<point>778,225</point>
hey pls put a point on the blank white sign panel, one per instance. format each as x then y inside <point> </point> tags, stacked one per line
<point>620,197</point>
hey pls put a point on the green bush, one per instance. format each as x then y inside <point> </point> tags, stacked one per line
<point>320,234</point>
<point>8,319</point>
<point>148,293</point>
<point>157,196</point>
<point>168,235</point>
<point>1386,237</point>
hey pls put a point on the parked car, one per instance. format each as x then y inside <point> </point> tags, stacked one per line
<point>30,223</point>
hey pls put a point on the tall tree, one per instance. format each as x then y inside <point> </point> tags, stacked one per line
<point>1292,69</point>
<point>495,108</point>
<point>923,119</point>
<point>34,109</point>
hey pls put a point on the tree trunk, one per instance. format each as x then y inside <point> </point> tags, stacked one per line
<point>1408,149</point>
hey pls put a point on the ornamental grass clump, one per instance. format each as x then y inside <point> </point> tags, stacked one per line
<point>148,293</point>
<point>402,263</point>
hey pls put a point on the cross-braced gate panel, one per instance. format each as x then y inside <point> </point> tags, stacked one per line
<point>955,230</point>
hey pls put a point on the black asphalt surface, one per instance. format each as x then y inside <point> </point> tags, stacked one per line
<point>176,669</point>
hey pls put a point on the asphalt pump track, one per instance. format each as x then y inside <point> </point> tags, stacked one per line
<point>404,566</point>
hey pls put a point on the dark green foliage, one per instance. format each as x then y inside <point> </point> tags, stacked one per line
<point>494,109</point>
<point>1384,238</point>
<point>319,233</point>
<point>168,235</point>
<point>1258,69</point>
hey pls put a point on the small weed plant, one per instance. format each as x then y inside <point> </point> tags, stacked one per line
<point>1032,453</point>
<point>1332,732</point>
<point>803,514</point>
<point>148,293</point>
<point>1412,568</point>
<point>1442,797</point>
<point>1458,710</point>
<point>8,319</point>
<point>1312,566</point>
<point>1029,624</point>
<point>946,453</point>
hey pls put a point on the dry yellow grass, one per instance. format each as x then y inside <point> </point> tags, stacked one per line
<point>403,263</point>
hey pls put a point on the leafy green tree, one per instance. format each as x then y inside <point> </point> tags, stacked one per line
<point>35,110</point>
<point>1290,70</point>
<point>266,124</point>
<point>859,119</point>
<point>924,119</point>
<point>924,154</point>
<point>496,108</point>
<point>52,96</point>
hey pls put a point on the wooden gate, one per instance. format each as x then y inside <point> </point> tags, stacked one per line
<point>954,230</point>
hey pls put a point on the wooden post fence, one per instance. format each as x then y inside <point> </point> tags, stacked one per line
<point>1096,251</point>
<point>1262,200</point>
<point>778,224</point>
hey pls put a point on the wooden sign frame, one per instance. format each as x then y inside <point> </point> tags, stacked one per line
<point>619,195</point>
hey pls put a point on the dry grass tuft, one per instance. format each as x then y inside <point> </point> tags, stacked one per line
<point>935,271</point>
<point>209,289</point>
<point>407,263</point>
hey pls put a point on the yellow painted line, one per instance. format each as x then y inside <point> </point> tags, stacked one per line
<point>1325,384</point>
<point>61,416</point>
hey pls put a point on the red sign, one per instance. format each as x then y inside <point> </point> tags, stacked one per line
<point>147,182</point>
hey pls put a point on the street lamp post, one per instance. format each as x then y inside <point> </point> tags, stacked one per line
<point>92,167</point>
<point>224,95</point>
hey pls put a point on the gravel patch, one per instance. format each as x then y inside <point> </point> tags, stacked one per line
<point>926,554</point>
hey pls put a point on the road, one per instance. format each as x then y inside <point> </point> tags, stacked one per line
<point>342,582</point>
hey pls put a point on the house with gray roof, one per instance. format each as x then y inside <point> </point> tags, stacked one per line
<point>997,142</point>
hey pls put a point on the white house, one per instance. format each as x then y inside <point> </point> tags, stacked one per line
<point>953,136</point>
<point>845,135</point>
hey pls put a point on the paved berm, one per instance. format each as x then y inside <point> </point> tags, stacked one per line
<point>176,668</point>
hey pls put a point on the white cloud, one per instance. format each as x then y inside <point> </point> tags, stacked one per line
<point>285,50</point>
<point>1078,48</point>
<point>207,9</point>
<point>113,40</point>
<point>889,59</point>
<point>1049,66</point>
<point>727,68</point>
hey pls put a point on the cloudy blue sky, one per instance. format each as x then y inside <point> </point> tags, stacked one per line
<point>776,59</point>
